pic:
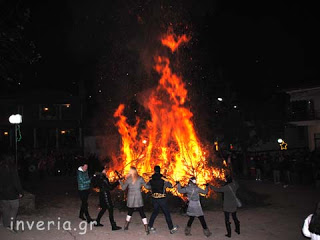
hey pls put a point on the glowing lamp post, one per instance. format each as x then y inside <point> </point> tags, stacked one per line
<point>16,119</point>
<point>280,140</point>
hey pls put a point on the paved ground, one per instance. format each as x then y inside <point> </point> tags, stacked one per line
<point>281,218</point>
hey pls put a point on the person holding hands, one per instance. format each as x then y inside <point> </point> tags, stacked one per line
<point>194,207</point>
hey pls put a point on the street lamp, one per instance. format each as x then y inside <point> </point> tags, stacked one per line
<point>16,119</point>
<point>220,99</point>
<point>280,140</point>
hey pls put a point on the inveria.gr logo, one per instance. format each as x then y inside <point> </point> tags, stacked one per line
<point>20,225</point>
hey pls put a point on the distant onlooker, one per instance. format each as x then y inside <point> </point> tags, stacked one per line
<point>317,177</point>
<point>286,165</point>
<point>10,191</point>
<point>258,169</point>
<point>252,167</point>
<point>311,227</point>
<point>229,163</point>
<point>276,171</point>
<point>266,169</point>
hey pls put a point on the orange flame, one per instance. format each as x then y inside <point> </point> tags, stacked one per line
<point>169,138</point>
<point>172,41</point>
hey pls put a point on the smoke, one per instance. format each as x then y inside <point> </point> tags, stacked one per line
<point>121,38</point>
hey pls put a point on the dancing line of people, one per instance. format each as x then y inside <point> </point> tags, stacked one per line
<point>157,185</point>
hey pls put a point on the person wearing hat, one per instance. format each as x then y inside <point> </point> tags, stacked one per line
<point>158,187</point>
<point>194,207</point>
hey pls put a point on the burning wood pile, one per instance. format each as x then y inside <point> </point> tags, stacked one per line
<point>168,138</point>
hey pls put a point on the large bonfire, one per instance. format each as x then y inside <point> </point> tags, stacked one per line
<point>168,138</point>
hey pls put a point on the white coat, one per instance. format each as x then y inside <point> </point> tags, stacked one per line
<point>305,229</point>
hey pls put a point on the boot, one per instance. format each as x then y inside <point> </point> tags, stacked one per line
<point>237,223</point>
<point>81,215</point>
<point>207,232</point>
<point>115,227</point>
<point>98,224</point>
<point>174,229</point>
<point>152,229</point>
<point>126,226</point>
<point>89,219</point>
<point>228,226</point>
<point>146,228</point>
<point>187,231</point>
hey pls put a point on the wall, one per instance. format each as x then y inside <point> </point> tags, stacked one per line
<point>312,130</point>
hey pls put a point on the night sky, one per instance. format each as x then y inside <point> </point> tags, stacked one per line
<point>253,49</point>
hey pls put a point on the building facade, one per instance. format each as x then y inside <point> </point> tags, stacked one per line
<point>304,113</point>
<point>50,120</point>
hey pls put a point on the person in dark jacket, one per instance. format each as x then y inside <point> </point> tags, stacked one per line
<point>276,170</point>
<point>84,190</point>
<point>105,199</point>
<point>10,191</point>
<point>194,207</point>
<point>230,204</point>
<point>158,187</point>
<point>258,169</point>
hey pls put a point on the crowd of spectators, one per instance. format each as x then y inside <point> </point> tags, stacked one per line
<point>286,167</point>
<point>52,163</point>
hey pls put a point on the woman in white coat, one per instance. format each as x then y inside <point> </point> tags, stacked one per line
<point>311,226</point>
